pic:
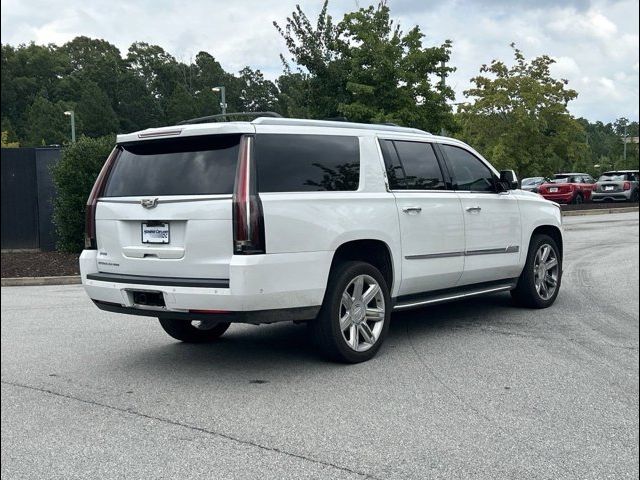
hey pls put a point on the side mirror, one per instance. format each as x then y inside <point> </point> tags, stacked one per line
<point>509,179</point>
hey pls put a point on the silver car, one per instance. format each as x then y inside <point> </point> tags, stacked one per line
<point>617,186</point>
<point>531,184</point>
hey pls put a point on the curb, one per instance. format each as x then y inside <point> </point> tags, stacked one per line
<point>602,211</point>
<point>27,281</point>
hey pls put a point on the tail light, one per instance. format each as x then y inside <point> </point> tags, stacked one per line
<point>90,242</point>
<point>248,220</point>
<point>626,186</point>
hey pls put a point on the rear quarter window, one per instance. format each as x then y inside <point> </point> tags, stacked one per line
<point>185,166</point>
<point>307,163</point>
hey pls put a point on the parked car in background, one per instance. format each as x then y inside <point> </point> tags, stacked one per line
<point>531,184</point>
<point>568,188</point>
<point>617,186</point>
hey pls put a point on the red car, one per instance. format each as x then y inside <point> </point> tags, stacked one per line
<point>568,188</point>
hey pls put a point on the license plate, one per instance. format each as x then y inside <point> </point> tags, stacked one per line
<point>553,189</point>
<point>609,187</point>
<point>155,232</point>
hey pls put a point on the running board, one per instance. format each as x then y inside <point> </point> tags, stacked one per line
<point>441,296</point>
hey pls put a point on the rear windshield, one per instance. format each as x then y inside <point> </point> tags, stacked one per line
<point>564,180</point>
<point>613,177</point>
<point>302,163</point>
<point>186,166</point>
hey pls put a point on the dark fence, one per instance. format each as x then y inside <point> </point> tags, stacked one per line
<point>27,198</point>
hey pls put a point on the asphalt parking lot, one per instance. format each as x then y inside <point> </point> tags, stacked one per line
<point>466,390</point>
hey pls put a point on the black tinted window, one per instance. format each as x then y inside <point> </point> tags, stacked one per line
<point>468,172</point>
<point>299,163</point>
<point>395,172</point>
<point>420,166</point>
<point>188,166</point>
<point>411,165</point>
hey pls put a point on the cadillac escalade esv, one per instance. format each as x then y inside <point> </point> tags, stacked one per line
<point>333,223</point>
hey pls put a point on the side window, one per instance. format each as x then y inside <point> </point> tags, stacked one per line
<point>395,172</point>
<point>421,168</point>
<point>468,172</point>
<point>411,166</point>
<point>303,163</point>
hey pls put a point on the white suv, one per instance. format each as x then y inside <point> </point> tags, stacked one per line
<point>333,223</point>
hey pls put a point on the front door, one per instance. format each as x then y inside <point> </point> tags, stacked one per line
<point>492,222</point>
<point>430,214</point>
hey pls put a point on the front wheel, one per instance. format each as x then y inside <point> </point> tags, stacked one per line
<point>539,283</point>
<point>195,331</point>
<point>354,318</point>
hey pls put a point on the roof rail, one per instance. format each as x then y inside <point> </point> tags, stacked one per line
<point>335,124</point>
<point>222,116</point>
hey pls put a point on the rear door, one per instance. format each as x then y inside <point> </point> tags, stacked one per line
<point>430,215</point>
<point>166,208</point>
<point>492,222</point>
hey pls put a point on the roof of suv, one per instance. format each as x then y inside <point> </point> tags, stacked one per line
<point>249,127</point>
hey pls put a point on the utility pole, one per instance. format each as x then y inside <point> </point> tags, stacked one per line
<point>223,98</point>
<point>443,85</point>
<point>624,155</point>
<point>72,114</point>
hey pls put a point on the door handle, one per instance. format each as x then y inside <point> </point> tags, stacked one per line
<point>474,209</point>
<point>411,209</point>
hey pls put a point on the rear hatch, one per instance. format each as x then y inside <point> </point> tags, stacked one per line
<point>166,208</point>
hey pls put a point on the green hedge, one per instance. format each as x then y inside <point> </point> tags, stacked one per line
<point>74,176</point>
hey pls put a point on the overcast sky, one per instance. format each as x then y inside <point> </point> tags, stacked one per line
<point>594,42</point>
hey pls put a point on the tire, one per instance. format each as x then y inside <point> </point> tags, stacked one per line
<point>530,290</point>
<point>634,197</point>
<point>186,331</point>
<point>578,199</point>
<point>338,343</point>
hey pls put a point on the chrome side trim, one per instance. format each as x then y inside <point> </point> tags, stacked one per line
<point>431,301</point>
<point>468,253</point>
<point>493,251</point>
<point>434,255</point>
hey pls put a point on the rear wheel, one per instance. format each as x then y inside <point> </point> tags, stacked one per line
<point>539,283</point>
<point>354,318</point>
<point>194,331</point>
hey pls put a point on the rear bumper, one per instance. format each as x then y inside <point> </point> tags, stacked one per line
<point>271,287</point>
<point>559,197</point>
<point>254,317</point>
<point>623,196</point>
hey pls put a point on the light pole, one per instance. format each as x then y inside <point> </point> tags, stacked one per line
<point>71,113</point>
<point>223,98</point>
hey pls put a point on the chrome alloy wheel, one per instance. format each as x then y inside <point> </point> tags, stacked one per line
<point>362,313</point>
<point>545,271</point>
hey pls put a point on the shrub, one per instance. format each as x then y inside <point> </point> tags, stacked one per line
<point>74,176</point>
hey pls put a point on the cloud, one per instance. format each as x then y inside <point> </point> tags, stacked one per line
<point>594,42</point>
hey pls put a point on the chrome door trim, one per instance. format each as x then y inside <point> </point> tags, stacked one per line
<point>434,255</point>
<point>493,251</point>
<point>467,253</point>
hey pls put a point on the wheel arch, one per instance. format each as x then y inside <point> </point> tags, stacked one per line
<point>375,252</point>
<point>552,231</point>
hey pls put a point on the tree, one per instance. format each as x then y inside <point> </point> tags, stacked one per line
<point>47,123</point>
<point>94,111</point>
<point>74,176</point>
<point>518,118</point>
<point>257,94</point>
<point>365,68</point>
